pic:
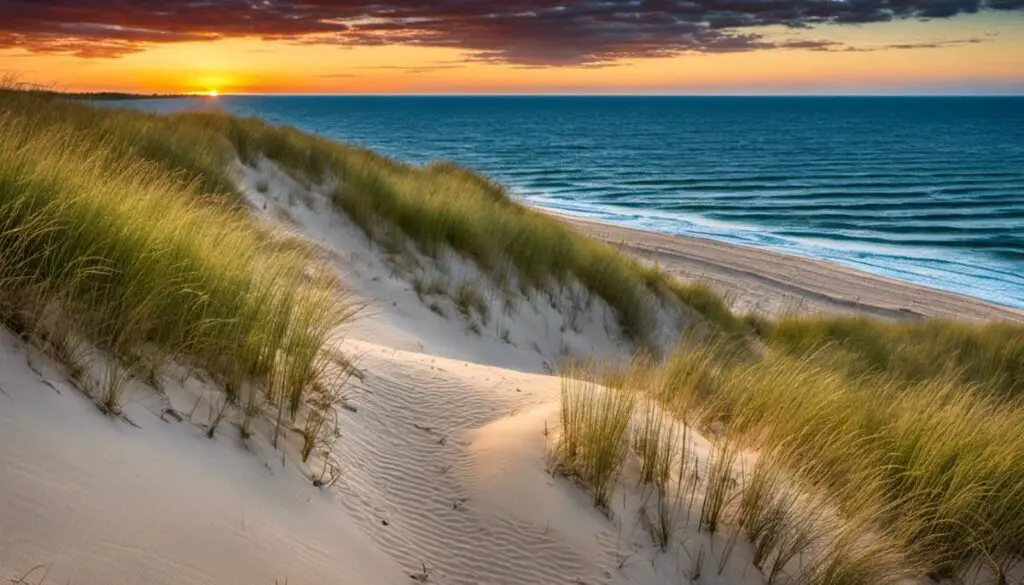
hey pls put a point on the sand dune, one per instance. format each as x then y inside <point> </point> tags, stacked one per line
<point>443,446</point>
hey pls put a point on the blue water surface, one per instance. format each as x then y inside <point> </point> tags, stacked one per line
<point>928,190</point>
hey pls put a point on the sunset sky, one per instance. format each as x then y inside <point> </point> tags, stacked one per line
<point>519,46</point>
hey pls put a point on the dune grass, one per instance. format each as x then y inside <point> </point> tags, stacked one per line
<point>595,423</point>
<point>884,450</point>
<point>189,152</point>
<point>935,464</point>
<point>774,519</point>
<point>679,480</point>
<point>719,484</point>
<point>119,228</point>
<point>990,355</point>
<point>655,439</point>
<point>799,531</point>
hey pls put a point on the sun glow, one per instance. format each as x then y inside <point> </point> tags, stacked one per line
<point>256,66</point>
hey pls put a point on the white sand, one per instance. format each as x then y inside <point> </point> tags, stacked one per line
<point>443,454</point>
<point>98,501</point>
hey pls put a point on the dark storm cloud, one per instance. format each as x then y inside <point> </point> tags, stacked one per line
<point>524,32</point>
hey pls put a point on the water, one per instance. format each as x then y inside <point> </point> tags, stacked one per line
<point>926,190</point>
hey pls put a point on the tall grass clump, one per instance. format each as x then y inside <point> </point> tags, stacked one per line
<point>719,484</point>
<point>769,513</point>
<point>110,233</point>
<point>854,553</point>
<point>188,151</point>
<point>595,424</point>
<point>655,439</point>
<point>672,494</point>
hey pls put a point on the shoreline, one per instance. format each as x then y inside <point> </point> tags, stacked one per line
<point>775,283</point>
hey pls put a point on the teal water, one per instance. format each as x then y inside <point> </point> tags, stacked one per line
<point>927,190</point>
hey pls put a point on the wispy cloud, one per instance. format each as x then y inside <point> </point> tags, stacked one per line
<point>839,47</point>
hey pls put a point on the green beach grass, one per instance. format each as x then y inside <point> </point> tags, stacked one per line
<point>122,230</point>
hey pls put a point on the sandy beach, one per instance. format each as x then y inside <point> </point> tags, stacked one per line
<point>774,284</point>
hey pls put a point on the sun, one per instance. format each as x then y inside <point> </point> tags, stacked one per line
<point>213,93</point>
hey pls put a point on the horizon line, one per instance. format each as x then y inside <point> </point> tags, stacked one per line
<point>582,94</point>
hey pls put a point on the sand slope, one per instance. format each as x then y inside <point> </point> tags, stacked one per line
<point>99,501</point>
<point>448,469</point>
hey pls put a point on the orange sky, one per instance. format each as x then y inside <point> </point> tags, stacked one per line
<point>249,65</point>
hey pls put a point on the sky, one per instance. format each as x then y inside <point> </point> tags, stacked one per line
<point>517,46</point>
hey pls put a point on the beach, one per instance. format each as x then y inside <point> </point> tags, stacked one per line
<point>775,284</point>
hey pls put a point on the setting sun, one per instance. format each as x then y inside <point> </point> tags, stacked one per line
<point>212,93</point>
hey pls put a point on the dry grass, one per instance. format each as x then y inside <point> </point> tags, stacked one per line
<point>672,496</point>
<point>719,485</point>
<point>655,441</point>
<point>432,286</point>
<point>801,528</point>
<point>468,299</point>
